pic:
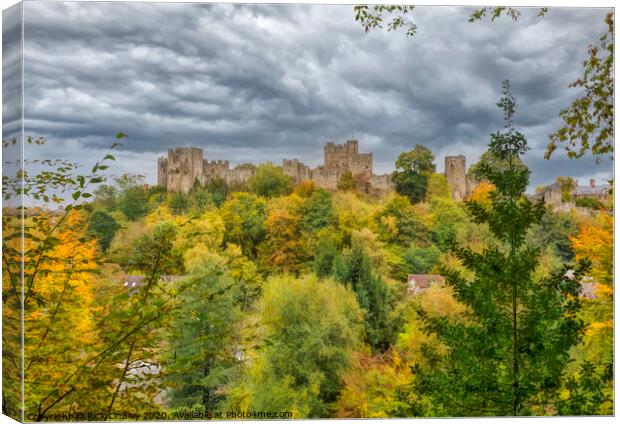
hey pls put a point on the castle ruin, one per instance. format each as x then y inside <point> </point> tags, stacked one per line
<point>184,166</point>
<point>460,181</point>
<point>338,159</point>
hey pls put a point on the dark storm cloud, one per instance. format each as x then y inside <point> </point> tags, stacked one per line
<point>265,82</point>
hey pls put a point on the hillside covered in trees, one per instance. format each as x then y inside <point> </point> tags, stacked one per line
<point>279,298</point>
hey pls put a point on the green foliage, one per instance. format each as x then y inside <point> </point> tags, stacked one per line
<point>554,230</point>
<point>496,12</point>
<point>437,187</point>
<point>270,181</point>
<point>178,203</point>
<point>370,20</point>
<point>590,202</point>
<point>134,202</point>
<point>325,257</point>
<point>397,223</point>
<point>354,270</point>
<point>316,210</point>
<point>308,330</point>
<point>589,120</point>
<point>449,219</point>
<point>585,392</point>
<point>346,182</point>
<point>103,227</point>
<point>512,349</point>
<point>420,260</point>
<point>244,217</point>
<point>106,196</point>
<point>218,189</point>
<point>413,170</point>
<point>200,200</point>
<point>567,184</point>
<point>202,340</point>
<point>156,249</point>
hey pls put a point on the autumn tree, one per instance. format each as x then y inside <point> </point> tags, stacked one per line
<point>508,357</point>
<point>270,181</point>
<point>285,247</point>
<point>398,223</point>
<point>308,330</point>
<point>346,182</point>
<point>244,217</point>
<point>413,171</point>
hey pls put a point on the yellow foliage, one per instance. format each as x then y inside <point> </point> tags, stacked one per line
<point>595,242</point>
<point>482,191</point>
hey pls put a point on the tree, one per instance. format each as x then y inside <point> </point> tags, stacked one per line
<point>397,223</point>
<point>437,187</point>
<point>244,217</point>
<point>203,337</point>
<point>316,210</point>
<point>156,248</point>
<point>103,227</point>
<point>133,202</point>
<point>178,203</point>
<point>270,181</point>
<point>285,247</point>
<point>413,170</point>
<point>567,185</point>
<point>218,188</point>
<point>508,357</point>
<point>308,330</point>
<point>325,256</point>
<point>554,230</point>
<point>589,120</point>
<point>449,219</point>
<point>354,270</point>
<point>346,182</point>
<point>420,260</point>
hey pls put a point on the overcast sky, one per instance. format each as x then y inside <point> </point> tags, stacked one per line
<point>266,82</point>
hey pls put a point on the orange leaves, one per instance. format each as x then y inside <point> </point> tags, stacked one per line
<point>595,242</point>
<point>482,192</point>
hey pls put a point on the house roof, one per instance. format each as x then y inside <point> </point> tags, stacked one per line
<point>591,191</point>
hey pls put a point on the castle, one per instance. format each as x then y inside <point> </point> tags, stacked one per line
<point>184,166</point>
<point>338,159</point>
<point>460,181</point>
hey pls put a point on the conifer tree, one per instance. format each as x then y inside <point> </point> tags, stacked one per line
<point>372,295</point>
<point>508,355</point>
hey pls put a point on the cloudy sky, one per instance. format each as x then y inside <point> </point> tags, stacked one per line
<point>252,83</point>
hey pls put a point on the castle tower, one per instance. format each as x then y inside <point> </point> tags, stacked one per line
<point>182,167</point>
<point>456,175</point>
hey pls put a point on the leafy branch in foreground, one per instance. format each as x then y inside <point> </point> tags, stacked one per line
<point>401,16</point>
<point>589,120</point>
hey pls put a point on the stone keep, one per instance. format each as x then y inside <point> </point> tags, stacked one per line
<point>461,182</point>
<point>185,165</point>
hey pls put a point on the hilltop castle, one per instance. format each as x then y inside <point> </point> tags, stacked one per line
<point>185,165</point>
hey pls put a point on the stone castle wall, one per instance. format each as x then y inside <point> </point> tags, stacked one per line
<point>338,159</point>
<point>185,165</point>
